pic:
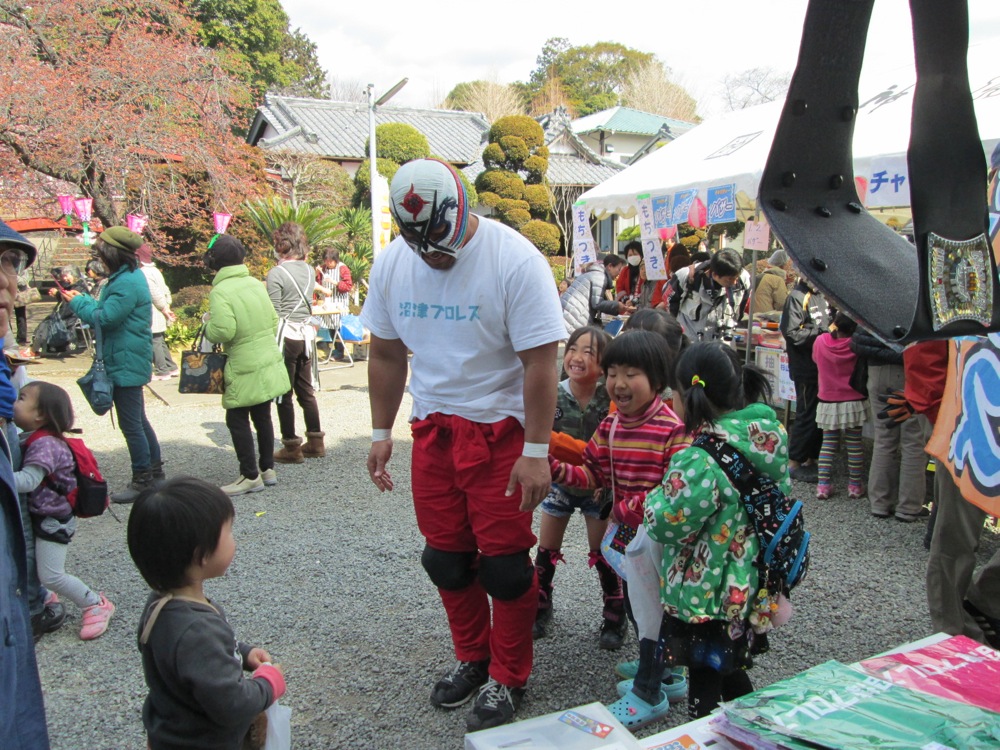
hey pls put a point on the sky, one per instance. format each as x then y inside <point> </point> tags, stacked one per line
<point>440,43</point>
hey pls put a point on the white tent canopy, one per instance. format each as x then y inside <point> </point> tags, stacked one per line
<point>732,149</point>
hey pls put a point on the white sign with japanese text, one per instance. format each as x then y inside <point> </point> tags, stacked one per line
<point>652,254</point>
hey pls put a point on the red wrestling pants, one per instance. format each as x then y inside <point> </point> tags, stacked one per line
<point>459,476</point>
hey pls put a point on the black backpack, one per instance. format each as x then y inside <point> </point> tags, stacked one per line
<point>783,559</point>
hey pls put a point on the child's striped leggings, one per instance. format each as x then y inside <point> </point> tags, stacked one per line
<point>855,456</point>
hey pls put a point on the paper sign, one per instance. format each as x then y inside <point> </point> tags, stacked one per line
<point>652,255</point>
<point>645,216</point>
<point>662,213</point>
<point>722,204</point>
<point>682,206</point>
<point>584,247</point>
<point>756,235</point>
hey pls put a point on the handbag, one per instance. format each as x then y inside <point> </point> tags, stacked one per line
<point>202,372</point>
<point>26,296</point>
<point>96,385</point>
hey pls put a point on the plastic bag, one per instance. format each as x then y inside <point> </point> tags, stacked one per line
<point>643,558</point>
<point>351,329</point>
<point>279,727</point>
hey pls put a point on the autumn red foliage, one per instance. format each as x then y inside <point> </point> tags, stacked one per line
<point>118,100</point>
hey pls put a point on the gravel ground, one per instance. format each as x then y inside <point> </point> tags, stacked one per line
<point>327,578</point>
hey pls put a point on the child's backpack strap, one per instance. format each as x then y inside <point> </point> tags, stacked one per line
<point>158,606</point>
<point>745,478</point>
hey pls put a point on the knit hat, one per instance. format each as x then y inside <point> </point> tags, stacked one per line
<point>426,196</point>
<point>779,258</point>
<point>121,238</point>
<point>11,238</point>
<point>145,253</point>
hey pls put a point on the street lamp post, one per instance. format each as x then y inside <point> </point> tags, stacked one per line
<point>373,174</point>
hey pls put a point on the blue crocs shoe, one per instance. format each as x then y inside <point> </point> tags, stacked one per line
<point>676,691</point>
<point>633,712</point>
<point>627,669</point>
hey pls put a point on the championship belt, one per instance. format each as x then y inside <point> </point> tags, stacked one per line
<point>945,286</point>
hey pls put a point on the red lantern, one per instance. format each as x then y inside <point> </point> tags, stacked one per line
<point>221,222</point>
<point>668,233</point>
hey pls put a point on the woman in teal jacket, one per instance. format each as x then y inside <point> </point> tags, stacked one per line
<point>242,319</point>
<point>124,313</point>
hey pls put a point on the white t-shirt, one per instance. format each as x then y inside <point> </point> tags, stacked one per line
<point>465,325</point>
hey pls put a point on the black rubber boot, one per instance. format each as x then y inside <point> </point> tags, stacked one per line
<point>141,480</point>
<point>545,565</point>
<point>647,679</point>
<point>615,625</point>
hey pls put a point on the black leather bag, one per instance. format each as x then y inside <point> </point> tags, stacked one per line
<point>96,384</point>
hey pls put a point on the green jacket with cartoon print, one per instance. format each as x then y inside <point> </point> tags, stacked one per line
<point>709,545</point>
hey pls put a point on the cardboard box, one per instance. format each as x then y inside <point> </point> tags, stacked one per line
<point>580,728</point>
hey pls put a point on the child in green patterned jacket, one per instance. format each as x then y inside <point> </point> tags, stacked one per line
<point>708,580</point>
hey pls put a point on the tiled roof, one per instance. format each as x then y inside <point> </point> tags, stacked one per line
<point>569,169</point>
<point>626,120</point>
<point>339,130</point>
<point>585,167</point>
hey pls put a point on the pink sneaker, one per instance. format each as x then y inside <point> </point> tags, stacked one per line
<point>824,490</point>
<point>856,490</point>
<point>95,619</point>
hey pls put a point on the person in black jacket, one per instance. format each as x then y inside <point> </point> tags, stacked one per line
<point>805,316</point>
<point>897,477</point>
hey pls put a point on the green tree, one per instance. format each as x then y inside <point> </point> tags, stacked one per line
<point>258,45</point>
<point>592,76</point>
<point>321,226</point>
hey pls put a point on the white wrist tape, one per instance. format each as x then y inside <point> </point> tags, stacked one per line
<point>536,450</point>
<point>378,435</point>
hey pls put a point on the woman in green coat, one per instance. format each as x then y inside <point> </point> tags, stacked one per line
<point>242,319</point>
<point>124,313</point>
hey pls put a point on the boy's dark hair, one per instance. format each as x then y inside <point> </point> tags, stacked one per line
<point>845,324</point>
<point>613,260</point>
<point>722,385</point>
<point>701,256</point>
<point>665,325</point>
<point>643,350</point>
<point>726,262</point>
<point>113,257</point>
<point>54,405</point>
<point>171,527</point>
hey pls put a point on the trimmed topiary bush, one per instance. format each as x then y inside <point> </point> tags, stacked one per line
<point>503,183</point>
<point>362,178</point>
<point>489,199</point>
<point>493,156</point>
<point>543,235</point>
<point>537,197</point>
<point>399,142</point>
<point>536,167</point>
<point>524,127</point>
<point>516,218</point>
<point>514,148</point>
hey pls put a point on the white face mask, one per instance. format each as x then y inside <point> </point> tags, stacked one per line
<point>634,260</point>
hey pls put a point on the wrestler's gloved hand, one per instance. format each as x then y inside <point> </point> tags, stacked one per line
<point>897,409</point>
